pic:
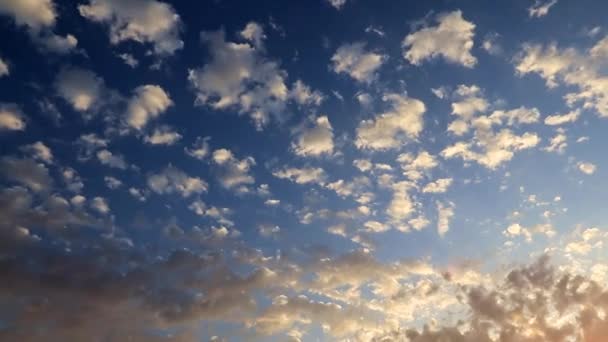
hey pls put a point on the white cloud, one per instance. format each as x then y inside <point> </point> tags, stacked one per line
<point>540,8</point>
<point>558,143</point>
<point>4,69</point>
<point>444,215</point>
<point>268,230</point>
<point>254,33</point>
<point>582,70</point>
<point>515,230</point>
<point>200,148</point>
<point>586,167</point>
<point>36,14</point>
<point>354,60</point>
<point>100,204</point>
<point>39,17</point>
<point>128,59</point>
<point>112,182</point>
<point>173,180</point>
<point>301,176</point>
<point>234,173</point>
<point>40,151</point>
<point>112,160</point>
<point>337,4</point>
<point>148,102</point>
<point>557,119</point>
<point>451,39</point>
<point>302,94</point>
<point>27,172</point>
<point>163,135</point>
<point>80,88</point>
<point>439,186</point>
<point>239,75</point>
<point>386,130</point>
<point>143,21</point>
<point>140,195</point>
<point>315,141</point>
<point>11,118</point>
<point>401,205</point>
<point>375,227</point>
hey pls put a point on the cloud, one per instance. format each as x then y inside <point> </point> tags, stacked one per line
<point>301,176</point>
<point>439,186</point>
<point>100,204</point>
<point>239,75</point>
<point>233,173</point>
<point>172,180</point>
<point>303,95</point>
<point>4,68</point>
<point>582,70</point>
<point>315,141</point>
<point>147,103</point>
<point>35,14</point>
<point>200,148</point>
<point>558,143</point>
<point>142,21</point>
<point>386,130</point>
<point>163,135</point>
<point>254,33</point>
<point>39,17</point>
<point>586,167</point>
<point>444,215</point>
<point>81,88</point>
<point>540,8</point>
<point>361,65</point>
<point>451,39</point>
<point>112,160</point>
<point>557,119</point>
<point>11,118</point>
<point>337,4</point>
<point>516,229</point>
<point>112,182</point>
<point>40,151</point>
<point>27,172</point>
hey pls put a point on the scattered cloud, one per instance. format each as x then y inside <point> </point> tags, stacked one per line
<point>316,140</point>
<point>540,8</point>
<point>354,60</point>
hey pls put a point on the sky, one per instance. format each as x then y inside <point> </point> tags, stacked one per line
<point>305,170</point>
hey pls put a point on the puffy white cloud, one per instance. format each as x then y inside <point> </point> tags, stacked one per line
<point>302,94</point>
<point>72,180</point>
<point>128,59</point>
<point>100,204</point>
<point>337,4</point>
<point>451,39</point>
<point>516,229</point>
<point>81,88</point>
<point>254,33</point>
<point>200,148</point>
<point>557,119</point>
<point>301,176</point>
<point>4,68</point>
<point>540,8</point>
<point>172,180</point>
<point>163,135</point>
<point>234,173</point>
<point>444,215</point>
<point>148,102</point>
<point>39,150</point>
<point>143,21</point>
<point>375,227</point>
<point>35,14</point>
<point>583,70</point>
<point>27,172</point>
<point>11,118</point>
<point>139,194</point>
<point>586,167</point>
<point>401,205</point>
<point>39,17</point>
<point>558,143</point>
<point>439,186</point>
<point>387,130</point>
<point>112,182</point>
<point>315,141</point>
<point>239,75</point>
<point>112,160</point>
<point>354,60</point>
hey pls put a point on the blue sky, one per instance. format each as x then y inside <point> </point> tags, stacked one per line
<point>344,170</point>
